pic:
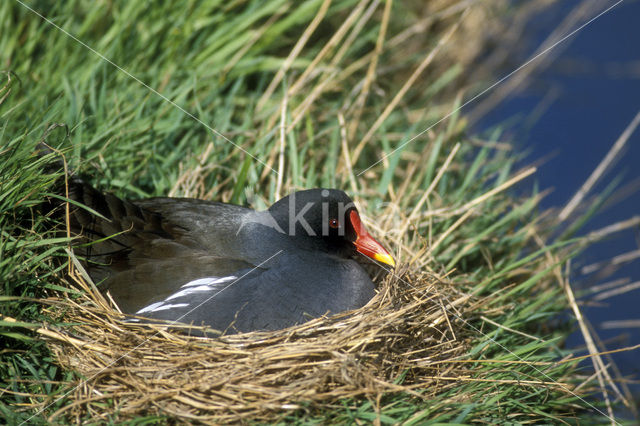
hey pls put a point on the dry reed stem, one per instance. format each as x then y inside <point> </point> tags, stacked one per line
<point>295,51</point>
<point>371,70</point>
<point>330,45</point>
<point>283,144</point>
<point>432,186</point>
<point>405,87</point>
<point>599,367</point>
<point>601,233</point>
<point>192,181</point>
<point>328,72</point>
<point>597,173</point>
<point>615,261</point>
<point>620,380</point>
<point>478,200</point>
<point>345,153</point>
<point>617,291</point>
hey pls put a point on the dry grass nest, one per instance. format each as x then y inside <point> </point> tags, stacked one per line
<point>402,341</point>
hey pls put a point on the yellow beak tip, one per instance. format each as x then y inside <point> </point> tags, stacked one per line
<point>385,258</point>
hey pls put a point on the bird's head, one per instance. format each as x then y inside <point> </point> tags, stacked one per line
<point>327,217</point>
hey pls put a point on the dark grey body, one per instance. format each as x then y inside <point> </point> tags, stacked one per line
<point>164,243</point>
<point>275,297</point>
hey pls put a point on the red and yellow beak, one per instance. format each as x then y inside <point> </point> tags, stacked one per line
<point>367,245</point>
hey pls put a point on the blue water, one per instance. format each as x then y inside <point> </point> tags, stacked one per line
<point>597,79</point>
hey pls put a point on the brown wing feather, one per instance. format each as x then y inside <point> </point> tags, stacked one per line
<point>137,254</point>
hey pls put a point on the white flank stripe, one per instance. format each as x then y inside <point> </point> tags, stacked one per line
<point>190,290</point>
<point>149,308</point>
<point>209,281</point>
<point>196,286</point>
<point>165,307</point>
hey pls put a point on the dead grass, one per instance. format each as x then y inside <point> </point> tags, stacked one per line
<point>394,344</point>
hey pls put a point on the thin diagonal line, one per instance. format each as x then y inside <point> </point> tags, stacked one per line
<point>147,339</point>
<point>224,288</point>
<point>545,51</point>
<point>128,74</point>
<point>389,270</point>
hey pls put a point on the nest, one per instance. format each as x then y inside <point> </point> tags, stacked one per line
<point>399,342</point>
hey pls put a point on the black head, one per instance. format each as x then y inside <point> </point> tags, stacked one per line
<point>327,219</point>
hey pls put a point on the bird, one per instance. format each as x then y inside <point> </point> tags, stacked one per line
<point>225,266</point>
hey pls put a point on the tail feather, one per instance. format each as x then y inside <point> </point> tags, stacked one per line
<point>103,241</point>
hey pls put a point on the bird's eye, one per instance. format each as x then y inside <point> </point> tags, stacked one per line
<point>334,223</point>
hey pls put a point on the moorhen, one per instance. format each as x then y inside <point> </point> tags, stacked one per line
<point>226,266</point>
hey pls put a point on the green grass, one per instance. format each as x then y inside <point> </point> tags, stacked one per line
<point>133,142</point>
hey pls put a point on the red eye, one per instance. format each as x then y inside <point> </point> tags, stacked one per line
<point>334,223</point>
